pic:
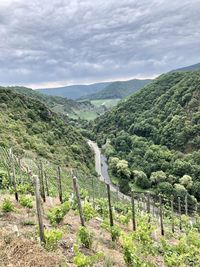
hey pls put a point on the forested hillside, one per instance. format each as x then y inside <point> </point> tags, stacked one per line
<point>28,125</point>
<point>155,135</point>
<point>119,89</point>
<point>74,91</point>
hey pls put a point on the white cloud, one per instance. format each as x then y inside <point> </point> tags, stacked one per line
<point>44,42</point>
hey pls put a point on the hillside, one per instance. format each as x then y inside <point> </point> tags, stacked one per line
<point>28,125</point>
<point>156,130</point>
<point>74,109</point>
<point>119,89</point>
<point>74,91</point>
<point>188,68</point>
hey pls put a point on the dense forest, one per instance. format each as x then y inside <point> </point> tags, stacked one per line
<point>153,137</point>
<point>28,125</point>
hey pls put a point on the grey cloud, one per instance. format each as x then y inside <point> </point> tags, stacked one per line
<point>87,40</point>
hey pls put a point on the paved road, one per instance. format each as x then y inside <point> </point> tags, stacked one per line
<point>102,169</point>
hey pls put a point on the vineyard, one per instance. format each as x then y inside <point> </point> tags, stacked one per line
<point>56,216</point>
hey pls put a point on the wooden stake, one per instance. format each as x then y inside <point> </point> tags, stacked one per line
<point>46,183</point>
<point>153,208</point>
<point>161,216</point>
<point>110,206</point>
<point>172,212</point>
<point>148,207</point>
<point>186,204</point>
<point>179,212</point>
<point>14,176</point>
<point>41,179</point>
<point>39,210</point>
<point>59,185</point>
<point>93,192</point>
<point>20,172</point>
<point>76,191</point>
<point>133,210</point>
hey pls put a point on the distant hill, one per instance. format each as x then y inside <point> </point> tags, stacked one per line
<point>188,68</point>
<point>107,90</point>
<point>74,109</point>
<point>119,89</point>
<point>157,129</point>
<point>74,91</point>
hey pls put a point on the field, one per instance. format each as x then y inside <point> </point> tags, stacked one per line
<point>90,113</point>
<point>109,103</point>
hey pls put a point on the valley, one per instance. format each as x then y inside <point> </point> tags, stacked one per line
<point>127,197</point>
<point>99,133</point>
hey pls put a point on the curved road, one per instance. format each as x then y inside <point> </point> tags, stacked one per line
<point>101,167</point>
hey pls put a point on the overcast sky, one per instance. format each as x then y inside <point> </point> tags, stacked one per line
<point>58,42</point>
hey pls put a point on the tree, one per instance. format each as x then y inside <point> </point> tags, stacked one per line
<point>165,188</point>
<point>122,168</point>
<point>180,190</point>
<point>196,190</point>
<point>141,179</point>
<point>158,177</point>
<point>186,181</point>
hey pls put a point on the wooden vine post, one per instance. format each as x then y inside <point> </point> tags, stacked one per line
<point>110,206</point>
<point>133,210</point>
<point>186,204</point>
<point>59,184</point>
<point>76,191</point>
<point>14,176</point>
<point>46,183</point>
<point>161,216</point>
<point>20,172</point>
<point>179,212</point>
<point>41,179</point>
<point>39,210</point>
<point>93,192</point>
<point>148,207</point>
<point>172,212</point>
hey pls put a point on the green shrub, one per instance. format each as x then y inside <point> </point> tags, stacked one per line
<point>7,205</point>
<point>52,237</point>
<point>88,211</point>
<point>25,188</point>
<point>56,214</point>
<point>84,193</point>
<point>66,206</point>
<point>85,237</point>
<point>81,260</point>
<point>26,202</point>
<point>115,232</point>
